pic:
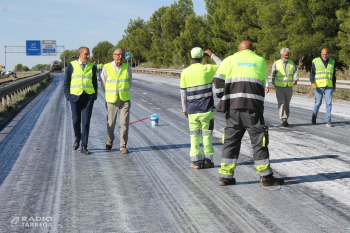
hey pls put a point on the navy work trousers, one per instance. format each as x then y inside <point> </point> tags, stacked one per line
<point>81,115</point>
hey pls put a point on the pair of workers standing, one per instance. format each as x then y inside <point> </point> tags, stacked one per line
<point>239,83</point>
<point>322,77</point>
<point>80,88</point>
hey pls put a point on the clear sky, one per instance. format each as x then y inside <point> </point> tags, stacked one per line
<point>72,23</point>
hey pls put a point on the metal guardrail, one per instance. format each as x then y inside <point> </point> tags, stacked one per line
<point>29,72</point>
<point>341,84</point>
<point>11,92</point>
<point>166,72</point>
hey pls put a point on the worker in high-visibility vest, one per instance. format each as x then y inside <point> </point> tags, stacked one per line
<point>99,69</point>
<point>95,64</point>
<point>323,79</point>
<point>116,79</point>
<point>198,105</point>
<point>80,88</point>
<point>284,75</point>
<point>239,82</point>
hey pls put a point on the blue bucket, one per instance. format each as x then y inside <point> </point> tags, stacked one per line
<point>154,120</point>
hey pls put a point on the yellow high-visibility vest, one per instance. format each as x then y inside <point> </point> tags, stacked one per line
<point>117,83</point>
<point>81,80</point>
<point>323,75</point>
<point>282,79</point>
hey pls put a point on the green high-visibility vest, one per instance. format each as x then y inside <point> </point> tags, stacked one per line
<point>81,80</point>
<point>323,75</point>
<point>282,79</point>
<point>99,66</point>
<point>197,74</point>
<point>117,83</point>
<point>248,67</point>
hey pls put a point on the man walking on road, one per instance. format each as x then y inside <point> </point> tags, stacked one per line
<point>198,105</point>
<point>116,82</point>
<point>322,77</point>
<point>284,74</point>
<point>80,88</point>
<point>239,82</point>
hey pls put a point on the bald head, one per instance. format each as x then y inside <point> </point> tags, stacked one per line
<point>245,45</point>
<point>325,54</point>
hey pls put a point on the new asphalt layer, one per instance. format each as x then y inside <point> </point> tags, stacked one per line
<point>46,186</point>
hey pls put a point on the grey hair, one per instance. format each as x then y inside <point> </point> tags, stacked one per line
<point>117,49</point>
<point>81,49</point>
<point>284,50</point>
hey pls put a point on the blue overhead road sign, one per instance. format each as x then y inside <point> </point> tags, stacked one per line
<point>127,55</point>
<point>33,48</point>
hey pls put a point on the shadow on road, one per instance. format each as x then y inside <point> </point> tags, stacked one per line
<point>335,123</point>
<point>294,159</point>
<point>317,177</point>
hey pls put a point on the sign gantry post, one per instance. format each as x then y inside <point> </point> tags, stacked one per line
<point>37,48</point>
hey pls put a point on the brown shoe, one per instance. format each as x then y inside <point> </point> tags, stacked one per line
<point>196,166</point>
<point>123,150</point>
<point>109,145</point>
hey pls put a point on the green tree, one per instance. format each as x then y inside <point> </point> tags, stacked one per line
<point>100,52</point>
<point>68,54</point>
<point>19,67</point>
<point>344,35</point>
<point>25,68</point>
<point>154,25</point>
<point>41,66</point>
<point>191,37</point>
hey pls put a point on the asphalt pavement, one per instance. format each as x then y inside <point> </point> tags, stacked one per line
<point>46,186</point>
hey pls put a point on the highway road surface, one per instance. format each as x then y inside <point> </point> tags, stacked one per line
<point>48,187</point>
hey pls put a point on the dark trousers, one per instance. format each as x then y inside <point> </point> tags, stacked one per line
<point>237,123</point>
<point>81,115</point>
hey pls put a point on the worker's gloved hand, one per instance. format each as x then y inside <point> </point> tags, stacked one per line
<point>185,113</point>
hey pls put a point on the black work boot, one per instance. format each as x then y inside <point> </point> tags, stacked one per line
<point>76,144</point>
<point>208,164</point>
<point>269,180</point>
<point>226,181</point>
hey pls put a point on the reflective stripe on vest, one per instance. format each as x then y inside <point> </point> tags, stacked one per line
<point>81,80</point>
<point>117,84</point>
<point>323,75</point>
<point>282,79</point>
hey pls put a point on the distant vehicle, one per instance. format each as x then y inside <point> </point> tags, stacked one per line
<point>55,66</point>
<point>9,72</point>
